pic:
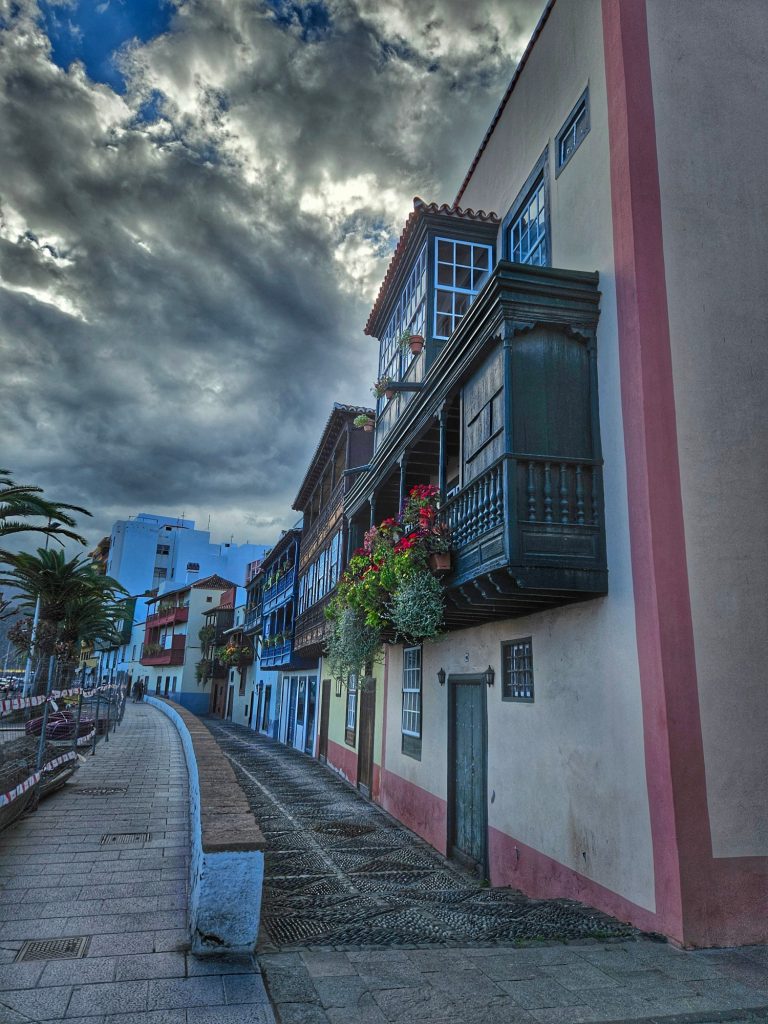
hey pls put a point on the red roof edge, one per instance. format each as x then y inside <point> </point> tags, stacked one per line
<point>500,109</point>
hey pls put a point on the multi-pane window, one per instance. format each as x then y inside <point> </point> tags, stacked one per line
<point>322,575</point>
<point>528,231</point>
<point>517,670</point>
<point>410,313</point>
<point>351,721</point>
<point>412,691</point>
<point>461,269</point>
<point>573,132</point>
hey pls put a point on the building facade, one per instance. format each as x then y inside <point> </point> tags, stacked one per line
<point>586,403</point>
<point>172,648</point>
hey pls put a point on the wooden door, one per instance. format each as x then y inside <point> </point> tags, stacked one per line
<point>325,714</point>
<point>365,748</point>
<point>467,773</point>
<point>230,702</point>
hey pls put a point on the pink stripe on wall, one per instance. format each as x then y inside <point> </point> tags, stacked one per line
<point>422,812</point>
<point>689,893</point>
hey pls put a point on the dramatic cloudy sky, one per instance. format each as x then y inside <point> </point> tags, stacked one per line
<point>197,204</point>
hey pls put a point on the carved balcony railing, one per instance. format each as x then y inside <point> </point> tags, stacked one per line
<point>276,654</point>
<point>524,531</point>
<point>253,619</point>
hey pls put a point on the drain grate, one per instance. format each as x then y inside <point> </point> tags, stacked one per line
<point>110,838</point>
<point>54,949</point>
<point>98,790</point>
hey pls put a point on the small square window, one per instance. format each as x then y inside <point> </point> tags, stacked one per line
<point>573,132</point>
<point>517,670</point>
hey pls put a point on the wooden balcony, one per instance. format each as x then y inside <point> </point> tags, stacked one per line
<point>527,535</point>
<point>509,409</point>
<point>173,655</point>
<point>312,629</point>
<point>252,621</point>
<point>279,592</point>
<point>169,616</point>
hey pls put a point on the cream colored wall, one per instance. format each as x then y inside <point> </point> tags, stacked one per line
<point>579,747</point>
<point>710,59</point>
<point>338,711</point>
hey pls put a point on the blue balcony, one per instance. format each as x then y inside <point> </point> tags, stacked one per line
<point>279,593</point>
<point>277,655</point>
<point>252,621</point>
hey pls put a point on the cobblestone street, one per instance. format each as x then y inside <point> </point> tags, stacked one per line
<point>342,872</point>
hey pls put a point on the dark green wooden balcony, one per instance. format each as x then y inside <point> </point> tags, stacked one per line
<point>507,424</point>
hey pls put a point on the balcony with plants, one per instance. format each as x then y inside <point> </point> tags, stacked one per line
<point>506,428</point>
<point>155,653</point>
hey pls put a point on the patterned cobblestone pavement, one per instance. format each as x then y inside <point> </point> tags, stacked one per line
<point>341,872</point>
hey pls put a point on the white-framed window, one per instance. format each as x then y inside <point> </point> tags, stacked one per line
<point>573,132</point>
<point>351,722</point>
<point>411,723</point>
<point>460,270</point>
<point>410,313</point>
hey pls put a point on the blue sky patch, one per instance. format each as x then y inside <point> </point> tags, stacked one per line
<point>93,30</point>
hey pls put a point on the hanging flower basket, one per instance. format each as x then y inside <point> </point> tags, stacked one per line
<point>440,561</point>
<point>416,344</point>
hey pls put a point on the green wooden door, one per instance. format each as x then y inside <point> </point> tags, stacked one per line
<point>467,768</point>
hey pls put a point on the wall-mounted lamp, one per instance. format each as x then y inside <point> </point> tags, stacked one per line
<point>338,687</point>
<point>441,676</point>
<point>489,675</point>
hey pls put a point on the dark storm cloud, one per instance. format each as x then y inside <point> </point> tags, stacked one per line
<point>185,269</point>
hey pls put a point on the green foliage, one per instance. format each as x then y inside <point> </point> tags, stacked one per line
<point>351,645</point>
<point>206,635</point>
<point>203,670</point>
<point>417,607</point>
<point>20,503</point>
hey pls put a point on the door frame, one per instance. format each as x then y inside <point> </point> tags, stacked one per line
<point>325,717</point>
<point>474,679</point>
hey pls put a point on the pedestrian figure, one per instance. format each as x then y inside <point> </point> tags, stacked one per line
<point>135,691</point>
<point>140,690</point>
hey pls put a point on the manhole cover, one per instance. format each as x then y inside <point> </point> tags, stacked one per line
<point>347,829</point>
<point>54,949</point>
<point>98,791</point>
<point>110,838</point>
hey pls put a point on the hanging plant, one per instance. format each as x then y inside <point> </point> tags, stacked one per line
<point>414,342</point>
<point>417,608</point>
<point>352,644</point>
<point>203,670</point>
<point>206,635</point>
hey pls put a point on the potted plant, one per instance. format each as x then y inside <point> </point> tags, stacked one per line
<point>414,342</point>
<point>364,421</point>
<point>382,387</point>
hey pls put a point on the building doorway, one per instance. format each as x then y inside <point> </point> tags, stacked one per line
<point>367,724</point>
<point>468,773</point>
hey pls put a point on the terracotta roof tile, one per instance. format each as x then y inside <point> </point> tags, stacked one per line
<point>214,582</point>
<point>420,208</point>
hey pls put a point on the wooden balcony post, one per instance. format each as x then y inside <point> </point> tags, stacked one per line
<point>403,468</point>
<point>442,419</point>
<point>373,510</point>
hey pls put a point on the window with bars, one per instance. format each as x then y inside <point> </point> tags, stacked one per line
<point>517,670</point>
<point>460,270</point>
<point>411,712</point>
<point>573,132</point>
<point>351,722</point>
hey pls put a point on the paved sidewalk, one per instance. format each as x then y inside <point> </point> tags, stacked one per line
<point>127,898</point>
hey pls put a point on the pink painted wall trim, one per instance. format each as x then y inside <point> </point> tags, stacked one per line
<point>344,760</point>
<point>694,893</point>
<point>534,873</point>
<point>422,812</point>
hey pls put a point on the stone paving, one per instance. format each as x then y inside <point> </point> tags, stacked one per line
<point>127,897</point>
<point>334,855</point>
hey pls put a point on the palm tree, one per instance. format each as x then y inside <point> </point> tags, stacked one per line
<point>76,602</point>
<point>20,502</point>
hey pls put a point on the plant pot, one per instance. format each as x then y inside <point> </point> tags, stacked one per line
<point>389,394</point>
<point>440,561</point>
<point>416,344</point>
<point>368,427</point>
